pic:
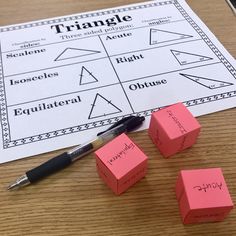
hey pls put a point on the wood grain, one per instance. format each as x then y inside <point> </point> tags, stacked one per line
<point>76,202</point>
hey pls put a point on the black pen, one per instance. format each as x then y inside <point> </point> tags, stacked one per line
<point>57,163</point>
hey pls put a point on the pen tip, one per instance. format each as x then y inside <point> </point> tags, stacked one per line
<point>21,181</point>
<point>12,186</point>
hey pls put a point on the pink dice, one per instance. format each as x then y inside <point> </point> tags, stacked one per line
<point>202,195</point>
<point>120,163</point>
<point>173,129</point>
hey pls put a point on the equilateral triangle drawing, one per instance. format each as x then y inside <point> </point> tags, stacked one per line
<point>162,36</point>
<point>86,77</point>
<point>69,53</point>
<point>185,58</point>
<point>206,82</point>
<point>102,107</point>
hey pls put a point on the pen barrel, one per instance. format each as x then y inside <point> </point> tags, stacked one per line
<point>51,166</point>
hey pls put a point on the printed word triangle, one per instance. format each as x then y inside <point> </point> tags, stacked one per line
<point>86,77</point>
<point>162,36</point>
<point>69,53</point>
<point>185,58</point>
<point>208,83</point>
<point>102,107</point>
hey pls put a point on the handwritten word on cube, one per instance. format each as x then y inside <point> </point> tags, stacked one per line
<point>120,163</point>
<point>173,129</point>
<point>202,195</point>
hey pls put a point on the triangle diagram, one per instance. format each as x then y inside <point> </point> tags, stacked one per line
<point>102,107</point>
<point>208,83</point>
<point>86,77</point>
<point>69,53</point>
<point>185,58</point>
<point>162,36</point>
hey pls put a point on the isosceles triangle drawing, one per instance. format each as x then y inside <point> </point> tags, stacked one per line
<point>102,107</point>
<point>86,77</point>
<point>161,36</point>
<point>69,53</point>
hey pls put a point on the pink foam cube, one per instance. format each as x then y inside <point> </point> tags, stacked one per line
<point>173,129</point>
<point>202,195</point>
<point>120,163</point>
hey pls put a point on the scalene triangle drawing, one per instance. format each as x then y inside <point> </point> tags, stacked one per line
<point>102,107</point>
<point>185,58</point>
<point>69,53</point>
<point>162,36</point>
<point>86,77</point>
<point>206,82</point>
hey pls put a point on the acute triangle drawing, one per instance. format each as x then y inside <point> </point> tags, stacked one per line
<point>206,82</point>
<point>161,36</point>
<point>102,107</point>
<point>86,77</point>
<point>185,58</point>
<point>69,53</point>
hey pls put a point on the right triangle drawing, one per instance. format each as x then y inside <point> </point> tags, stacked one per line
<point>102,107</point>
<point>208,83</point>
<point>69,53</point>
<point>185,58</point>
<point>162,36</point>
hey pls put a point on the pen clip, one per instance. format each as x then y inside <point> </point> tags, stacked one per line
<point>117,124</point>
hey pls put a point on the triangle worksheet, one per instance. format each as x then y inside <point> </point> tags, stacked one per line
<point>65,79</point>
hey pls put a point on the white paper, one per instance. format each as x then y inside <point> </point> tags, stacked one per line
<point>63,80</point>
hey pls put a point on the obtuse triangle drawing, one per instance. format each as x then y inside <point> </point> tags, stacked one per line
<point>69,53</point>
<point>102,107</point>
<point>185,58</point>
<point>206,82</point>
<point>161,36</point>
<point>86,77</point>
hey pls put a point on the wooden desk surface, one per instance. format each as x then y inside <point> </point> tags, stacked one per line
<point>76,202</point>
